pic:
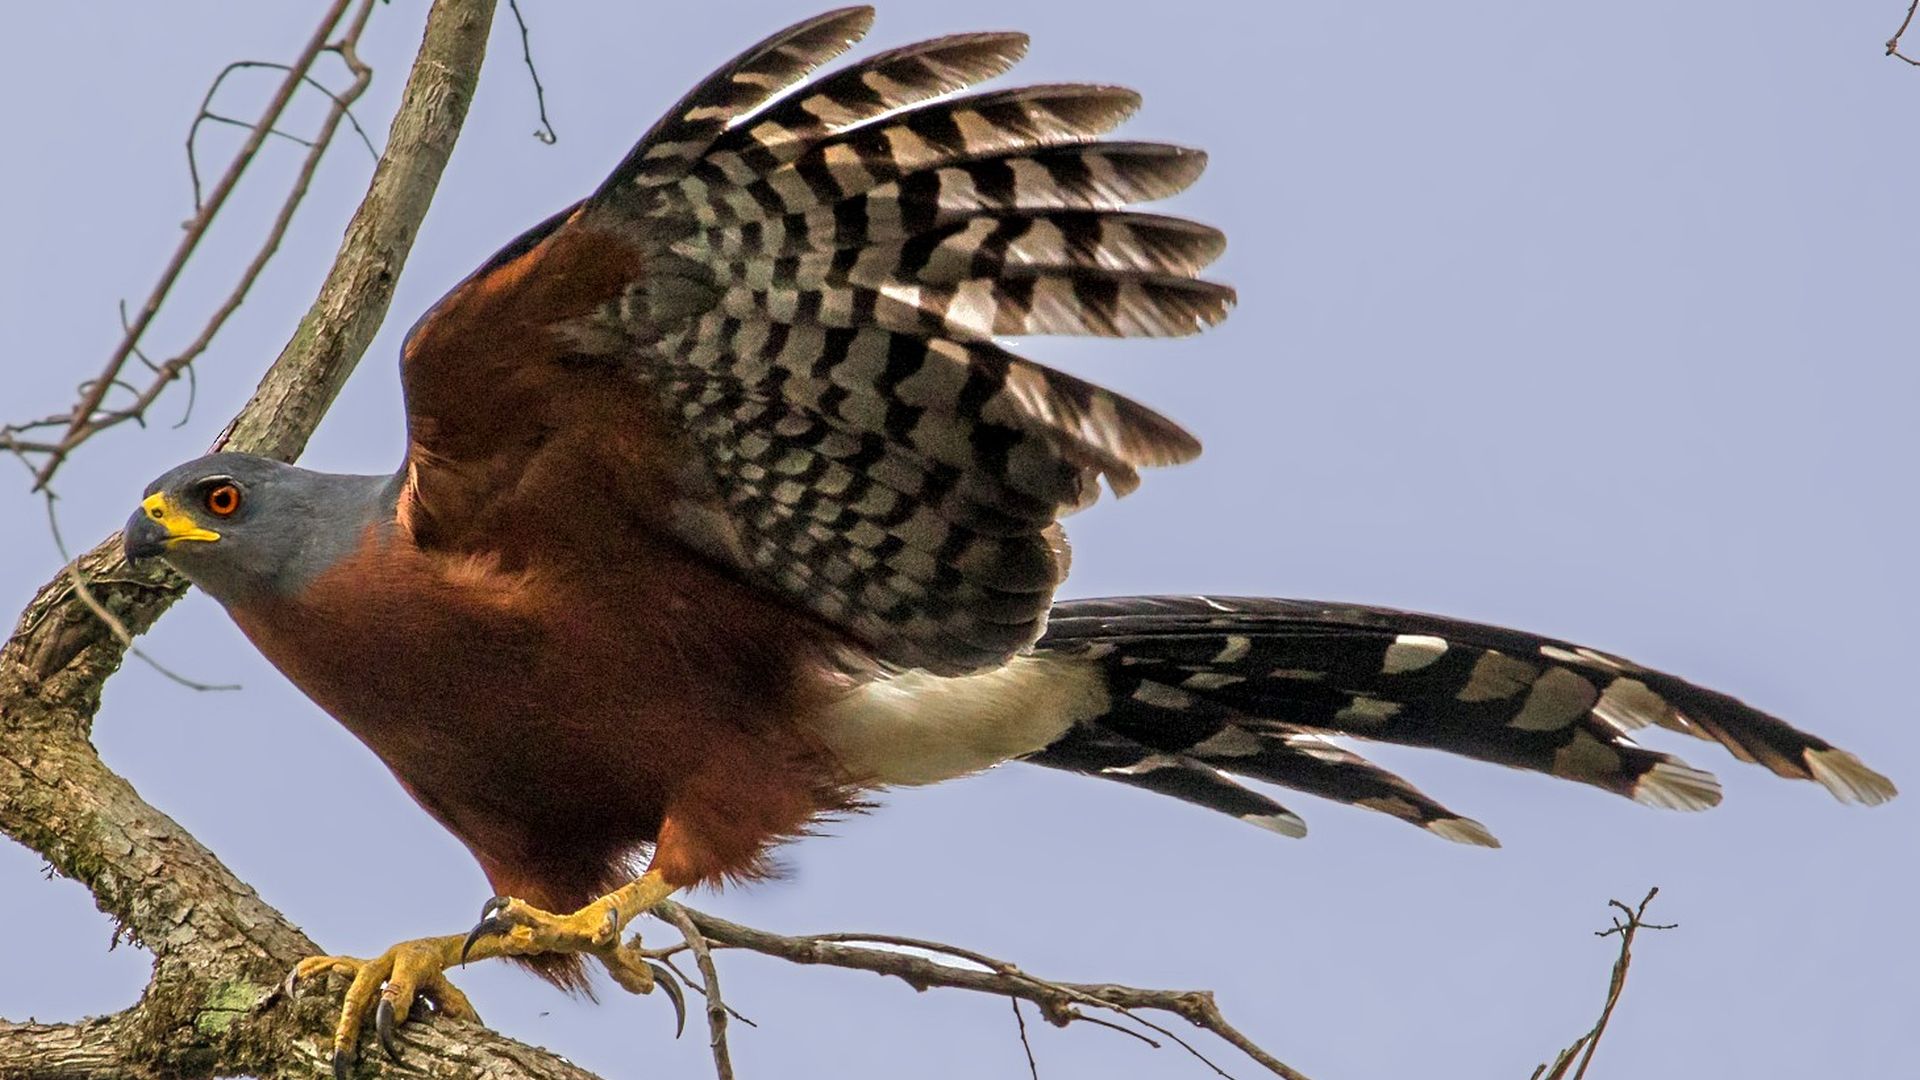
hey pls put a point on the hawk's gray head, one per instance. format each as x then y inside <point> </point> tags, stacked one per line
<point>244,527</point>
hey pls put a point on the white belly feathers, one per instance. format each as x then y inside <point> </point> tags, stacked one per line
<point>918,728</point>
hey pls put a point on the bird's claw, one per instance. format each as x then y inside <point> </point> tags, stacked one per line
<point>489,923</point>
<point>664,978</point>
<point>383,1028</point>
<point>593,929</point>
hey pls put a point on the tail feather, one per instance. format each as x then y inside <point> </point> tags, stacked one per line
<point>1251,686</point>
<point>1106,753</point>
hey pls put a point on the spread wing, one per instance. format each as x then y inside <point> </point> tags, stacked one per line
<point>774,326</point>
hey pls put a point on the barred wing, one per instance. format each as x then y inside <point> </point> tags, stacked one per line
<point>826,272</point>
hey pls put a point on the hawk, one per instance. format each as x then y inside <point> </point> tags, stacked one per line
<point>723,508</point>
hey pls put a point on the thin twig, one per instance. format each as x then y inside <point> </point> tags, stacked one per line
<point>545,133</point>
<point>1893,43</point>
<point>206,105</point>
<point>1083,1018</point>
<point>248,124</point>
<point>710,976</point>
<point>1033,1067</point>
<point>1585,1046</point>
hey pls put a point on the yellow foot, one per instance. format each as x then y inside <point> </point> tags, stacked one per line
<point>388,985</point>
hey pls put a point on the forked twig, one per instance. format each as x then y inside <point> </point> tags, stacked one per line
<point>1583,1047</point>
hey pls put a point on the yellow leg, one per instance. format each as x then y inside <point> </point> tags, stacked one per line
<point>389,984</point>
<point>517,928</point>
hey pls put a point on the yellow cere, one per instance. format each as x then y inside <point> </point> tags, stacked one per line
<point>178,525</point>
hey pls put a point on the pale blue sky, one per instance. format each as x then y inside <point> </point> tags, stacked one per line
<point>1595,320</point>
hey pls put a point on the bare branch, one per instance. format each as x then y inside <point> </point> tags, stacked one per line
<point>1583,1047</point>
<point>88,1050</point>
<point>1061,1003</point>
<point>91,416</point>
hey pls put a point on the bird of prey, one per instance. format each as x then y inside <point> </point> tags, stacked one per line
<point>722,509</point>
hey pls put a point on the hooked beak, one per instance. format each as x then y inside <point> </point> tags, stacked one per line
<point>157,526</point>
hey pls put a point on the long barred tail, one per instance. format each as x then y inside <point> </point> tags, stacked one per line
<point>1202,687</point>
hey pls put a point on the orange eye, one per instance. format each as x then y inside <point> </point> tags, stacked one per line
<point>223,500</point>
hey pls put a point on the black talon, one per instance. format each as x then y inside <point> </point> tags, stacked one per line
<point>480,930</point>
<point>342,1064</point>
<point>488,924</point>
<point>383,1026</point>
<point>665,979</point>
